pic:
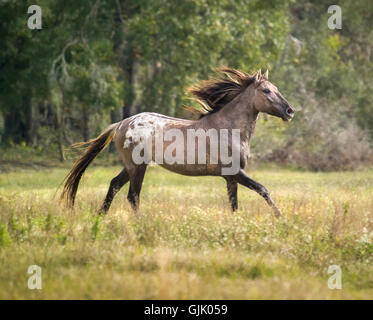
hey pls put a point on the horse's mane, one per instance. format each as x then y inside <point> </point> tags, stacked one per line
<point>215,93</point>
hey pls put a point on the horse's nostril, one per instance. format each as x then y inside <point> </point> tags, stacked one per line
<point>289,111</point>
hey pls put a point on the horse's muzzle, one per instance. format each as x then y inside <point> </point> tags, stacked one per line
<point>288,114</point>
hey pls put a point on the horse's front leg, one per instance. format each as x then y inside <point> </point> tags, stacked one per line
<point>232,192</point>
<point>244,179</point>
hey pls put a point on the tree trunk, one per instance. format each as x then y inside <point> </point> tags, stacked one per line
<point>125,53</point>
<point>36,124</point>
<point>135,85</point>
<point>13,127</point>
<point>131,104</point>
<point>60,130</point>
<point>32,120</point>
<point>115,116</point>
<point>128,98</point>
<point>27,105</point>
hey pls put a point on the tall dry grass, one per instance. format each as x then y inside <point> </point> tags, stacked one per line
<point>186,244</point>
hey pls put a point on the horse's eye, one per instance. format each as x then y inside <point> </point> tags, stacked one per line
<point>266,91</point>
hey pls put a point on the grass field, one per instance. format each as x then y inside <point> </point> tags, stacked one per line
<point>187,244</point>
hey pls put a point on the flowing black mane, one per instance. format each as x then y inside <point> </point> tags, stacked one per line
<point>215,93</point>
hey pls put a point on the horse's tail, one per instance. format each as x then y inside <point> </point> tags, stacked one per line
<point>92,149</point>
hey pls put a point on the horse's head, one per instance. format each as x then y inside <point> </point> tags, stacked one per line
<point>255,90</point>
<point>268,99</point>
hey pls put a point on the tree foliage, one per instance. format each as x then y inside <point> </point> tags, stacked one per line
<point>98,61</point>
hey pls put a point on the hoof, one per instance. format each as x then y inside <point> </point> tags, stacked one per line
<point>277,212</point>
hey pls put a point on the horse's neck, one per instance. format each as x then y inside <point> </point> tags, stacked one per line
<point>238,114</point>
<point>248,123</point>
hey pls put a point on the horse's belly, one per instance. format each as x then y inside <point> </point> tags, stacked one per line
<point>193,169</point>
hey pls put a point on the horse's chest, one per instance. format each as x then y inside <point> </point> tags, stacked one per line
<point>245,152</point>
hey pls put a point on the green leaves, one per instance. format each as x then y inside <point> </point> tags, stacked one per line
<point>142,55</point>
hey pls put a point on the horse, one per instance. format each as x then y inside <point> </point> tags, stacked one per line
<point>231,101</point>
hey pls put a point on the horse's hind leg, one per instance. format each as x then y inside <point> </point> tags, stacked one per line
<point>243,179</point>
<point>136,179</point>
<point>232,193</point>
<point>115,185</point>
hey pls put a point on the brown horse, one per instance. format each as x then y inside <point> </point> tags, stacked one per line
<point>231,102</point>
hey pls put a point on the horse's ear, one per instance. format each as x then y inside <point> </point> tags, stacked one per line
<point>257,78</point>
<point>265,75</point>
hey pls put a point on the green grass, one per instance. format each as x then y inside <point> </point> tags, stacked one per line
<point>186,244</point>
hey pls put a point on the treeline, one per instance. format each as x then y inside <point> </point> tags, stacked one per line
<point>98,61</point>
